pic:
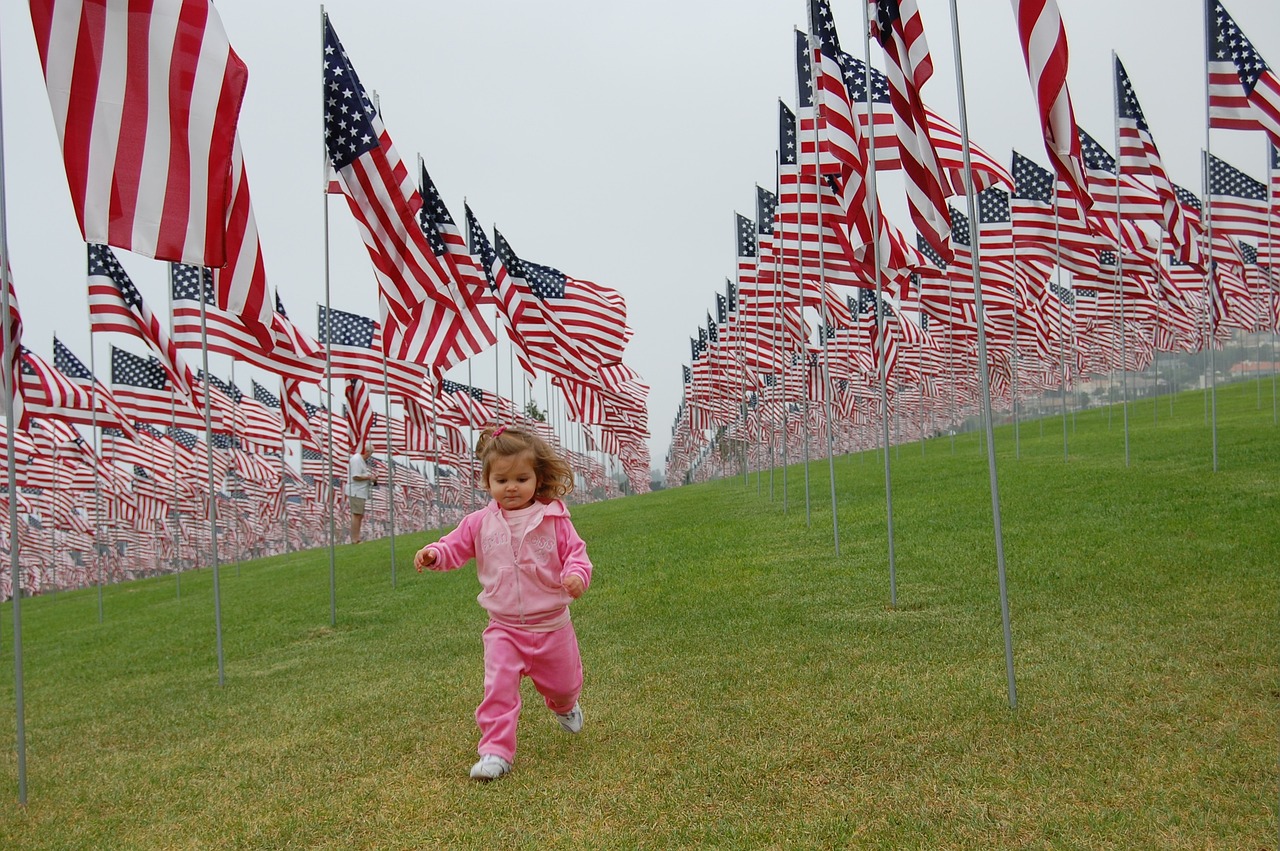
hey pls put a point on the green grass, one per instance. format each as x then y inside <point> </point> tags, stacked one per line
<point>745,686</point>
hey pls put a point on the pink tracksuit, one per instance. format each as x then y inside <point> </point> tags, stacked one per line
<point>529,632</point>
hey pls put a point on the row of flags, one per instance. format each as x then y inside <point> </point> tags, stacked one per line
<point>1152,266</point>
<point>146,105</point>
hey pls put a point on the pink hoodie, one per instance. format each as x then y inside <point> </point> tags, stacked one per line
<point>521,579</point>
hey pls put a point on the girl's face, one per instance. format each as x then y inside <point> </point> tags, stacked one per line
<point>512,480</point>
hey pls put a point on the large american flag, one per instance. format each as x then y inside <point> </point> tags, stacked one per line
<point>241,285</point>
<point>379,190</point>
<point>896,24</point>
<point>1044,46</point>
<point>141,388</point>
<point>145,100</point>
<point>109,412</point>
<point>355,351</point>
<point>1244,93</point>
<point>1138,154</point>
<point>227,333</point>
<point>360,417</point>
<point>47,393</point>
<point>116,305</point>
<point>495,271</point>
<point>1239,202</point>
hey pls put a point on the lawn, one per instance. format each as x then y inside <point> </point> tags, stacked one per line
<point>745,686</point>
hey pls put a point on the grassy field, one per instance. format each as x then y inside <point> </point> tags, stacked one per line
<point>745,687</point>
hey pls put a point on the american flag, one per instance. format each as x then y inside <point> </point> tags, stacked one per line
<point>1244,93</point>
<point>72,368</point>
<point>360,416</point>
<point>1139,155</point>
<point>227,334</point>
<point>260,425</point>
<point>495,271</point>
<point>48,394</point>
<point>148,126</point>
<point>241,284</point>
<point>1118,196</point>
<point>141,388</point>
<point>116,305</point>
<point>11,375</point>
<point>548,343</point>
<point>896,24</point>
<point>1044,46</point>
<point>1045,232</point>
<point>443,339</point>
<point>594,315</point>
<point>462,404</point>
<point>379,190</point>
<point>355,350</point>
<point>293,410</point>
<point>1239,203</point>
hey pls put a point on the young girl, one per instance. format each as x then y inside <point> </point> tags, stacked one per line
<point>531,564</point>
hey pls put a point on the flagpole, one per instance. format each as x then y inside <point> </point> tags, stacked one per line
<point>1062,317</point>
<point>1208,217</point>
<point>881,323</point>
<point>982,362</point>
<point>781,267</point>
<point>1017,299</point>
<point>1124,354</point>
<point>391,474</point>
<point>1272,253</point>
<point>97,494</point>
<point>213,496</point>
<point>173,421</point>
<point>328,360</point>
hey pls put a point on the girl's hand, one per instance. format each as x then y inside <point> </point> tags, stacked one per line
<point>572,585</point>
<point>426,557</point>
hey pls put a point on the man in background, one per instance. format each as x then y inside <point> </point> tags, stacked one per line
<point>360,482</point>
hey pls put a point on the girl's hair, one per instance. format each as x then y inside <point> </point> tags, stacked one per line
<point>555,476</point>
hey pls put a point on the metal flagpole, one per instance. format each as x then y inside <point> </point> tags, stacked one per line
<point>982,362</point>
<point>1273,253</point>
<point>1017,300</point>
<point>328,365</point>
<point>881,326</point>
<point>779,306</point>
<point>213,495</point>
<point>1062,317</point>
<point>1208,218</point>
<point>97,493</point>
<point>1124,354</point>
<point>173,421</point>
<point>391,465</point>
<point>817,188</point>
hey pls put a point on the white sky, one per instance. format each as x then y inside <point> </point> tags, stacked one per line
<point>611,140</point>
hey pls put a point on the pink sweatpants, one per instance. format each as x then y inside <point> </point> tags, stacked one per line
<point>550,659</point>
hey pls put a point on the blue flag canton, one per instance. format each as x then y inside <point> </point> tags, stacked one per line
<point>311,409</point>
<point>478,245</point>
<point>823,26</point>
<point>748,244</point>
<point>232,392</point>
<point>928,250</point>
<point>545,282</point>
<point>433,214</point>
<point>1030,181</point>
<point>960,232</point>
<point>1128,101</point>
<point>1187,198</point>
<point>787,144</point>
<point>993,206</point>
<point>224,441</point>
<point>264,396</point>
<point>1225,179</point>
<point>1249,253</point>
<point>133,371</point>
<point>1064,294</point>
<point>1096,157</point>
<point>348,329</point>
<point>1275,162</point>
<point>766,210</point>
<point>187,282</point>
<point>1228,43</point>
<point>67,363</point>
<point>182,437</point>
<point>514,265</point>
<point>103,264</point>
<point>722,309</point>
<point>348,111</point>
<point>804,71</point>
<point>447,386</point>
<point>855,80</point>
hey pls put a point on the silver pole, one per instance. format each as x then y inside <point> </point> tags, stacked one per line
<point>213,495</point>
<point>1124,354</point>
<point>882,327</point>
<point>982,365</point>
<point>328,366</point>
<point>6,363</point>
<point>173,421</point>
<point>1062,317</point>
<point>1208,217</point>
<point>391,465</point>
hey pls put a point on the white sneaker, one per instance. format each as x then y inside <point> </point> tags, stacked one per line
<point>571,721</point>
<point>490,767</point>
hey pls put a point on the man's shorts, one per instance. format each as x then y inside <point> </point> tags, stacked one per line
<point>357,504</point>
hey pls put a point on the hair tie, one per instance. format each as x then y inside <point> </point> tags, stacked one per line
<point>497,431</point>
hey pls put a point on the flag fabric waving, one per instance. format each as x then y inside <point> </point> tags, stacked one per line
<point>1044,46</point>
<point>1244,93</point>
<point>147,126</point>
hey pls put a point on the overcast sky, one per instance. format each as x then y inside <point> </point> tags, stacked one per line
<point>611,140</point>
